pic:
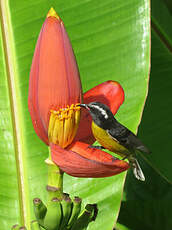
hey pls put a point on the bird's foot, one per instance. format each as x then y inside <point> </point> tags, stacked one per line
<point>95,147</point>
<point>124,158</point>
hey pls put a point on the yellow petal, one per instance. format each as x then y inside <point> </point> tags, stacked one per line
<point>63,125</point>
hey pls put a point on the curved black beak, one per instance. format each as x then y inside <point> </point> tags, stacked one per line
<point>83,105</point>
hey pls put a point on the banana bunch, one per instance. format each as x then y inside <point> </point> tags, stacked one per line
<point>62,214</point>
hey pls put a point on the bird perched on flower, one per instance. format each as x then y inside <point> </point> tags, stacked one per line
<point>114,136</point>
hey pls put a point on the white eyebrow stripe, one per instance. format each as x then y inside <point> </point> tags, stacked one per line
<point>101,110</point>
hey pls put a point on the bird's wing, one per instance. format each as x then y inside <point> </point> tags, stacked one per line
<point>120,134</point>
<point>126,138</point>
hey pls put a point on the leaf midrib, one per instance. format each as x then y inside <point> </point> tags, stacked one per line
<point>162,35</point>
<point>12,74</point>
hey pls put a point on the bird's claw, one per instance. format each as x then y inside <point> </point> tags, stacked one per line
<point>95,147</point>
<point>124,158</point>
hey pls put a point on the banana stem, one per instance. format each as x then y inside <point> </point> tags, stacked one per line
<point>55,180</point>
<point>35,225</point>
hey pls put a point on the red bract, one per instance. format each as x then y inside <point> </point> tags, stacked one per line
<point>54,94</point>
<point>81,161</point>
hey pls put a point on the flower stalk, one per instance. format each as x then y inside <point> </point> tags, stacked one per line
<point>55,180</point>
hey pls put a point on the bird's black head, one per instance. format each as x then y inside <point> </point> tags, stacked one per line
<point>100,113</point>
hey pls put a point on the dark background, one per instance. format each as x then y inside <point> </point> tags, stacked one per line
<point>148,206</point>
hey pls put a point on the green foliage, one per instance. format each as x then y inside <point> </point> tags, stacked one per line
<point>111,41</point>
<point>156,124</point>
<point>148,206</point>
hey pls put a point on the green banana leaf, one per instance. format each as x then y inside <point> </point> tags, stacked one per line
<point>161,18</point>
<point>148,205</point>
<point>111,40</point>
<point>158,109</point>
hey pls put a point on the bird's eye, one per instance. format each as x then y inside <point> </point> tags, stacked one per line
<point>100,110</point>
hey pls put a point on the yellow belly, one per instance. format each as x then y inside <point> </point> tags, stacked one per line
<point>106,141</point>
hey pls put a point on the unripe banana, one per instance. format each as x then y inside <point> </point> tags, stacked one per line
<point>67,209</point>
<point>88,215</point>
<point>35,225</point>
<point>15,227</point>
<point>75,211</point>
<point>53,215</point>
<point>83,221</point>
<point>40,210</point>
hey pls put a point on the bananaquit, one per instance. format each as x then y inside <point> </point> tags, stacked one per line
<point>114,136</point>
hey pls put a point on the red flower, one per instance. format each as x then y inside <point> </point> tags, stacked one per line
<point>54,94</point>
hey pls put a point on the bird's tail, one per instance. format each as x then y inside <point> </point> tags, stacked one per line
<point>138,173</point>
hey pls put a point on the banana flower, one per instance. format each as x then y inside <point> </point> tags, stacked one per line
<point>54,94</point>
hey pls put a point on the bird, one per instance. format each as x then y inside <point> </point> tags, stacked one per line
<point>114,136</point>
